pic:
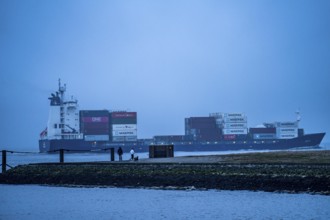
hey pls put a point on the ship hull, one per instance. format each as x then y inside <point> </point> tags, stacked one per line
<point>80,145</point>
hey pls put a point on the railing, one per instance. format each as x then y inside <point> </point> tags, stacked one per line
<point>4,163</point>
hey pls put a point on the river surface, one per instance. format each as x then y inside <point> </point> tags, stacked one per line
<point>45,202</point>
<point>50,202</point>
<point>19,157</point>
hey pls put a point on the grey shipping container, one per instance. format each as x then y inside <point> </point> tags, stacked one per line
<point>262,130</point>
<point>94,113</point>
<point>131,138</point>
<point>118,139</point>
<point>123,118</point>
<point>96,137</point>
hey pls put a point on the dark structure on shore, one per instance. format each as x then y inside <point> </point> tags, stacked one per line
<point>161,151</point>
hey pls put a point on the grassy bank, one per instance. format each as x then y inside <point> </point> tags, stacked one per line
<point>279,171</point>
<point>277,157</point>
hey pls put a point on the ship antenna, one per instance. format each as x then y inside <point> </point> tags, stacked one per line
<point>61,90</point>
<point>298,116</point>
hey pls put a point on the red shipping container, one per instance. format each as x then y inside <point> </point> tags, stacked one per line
<point>228,137</point>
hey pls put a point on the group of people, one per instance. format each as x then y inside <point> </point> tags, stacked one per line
<point>120,153</point>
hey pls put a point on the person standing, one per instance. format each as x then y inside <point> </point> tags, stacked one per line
<point>132,154</point>
<point>120,153</point>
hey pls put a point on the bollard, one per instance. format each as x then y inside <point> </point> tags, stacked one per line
<point>112,154</point>
<point>61,156</point>
<point>4,160</point>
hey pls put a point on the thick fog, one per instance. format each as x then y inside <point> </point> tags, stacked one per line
<point>166,60</point>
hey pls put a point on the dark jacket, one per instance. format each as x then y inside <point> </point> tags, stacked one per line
<point>120,151</point>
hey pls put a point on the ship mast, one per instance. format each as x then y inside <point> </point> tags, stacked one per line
<point>61,90</point>
<point>298,117</point>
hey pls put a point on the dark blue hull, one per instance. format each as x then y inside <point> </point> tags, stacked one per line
<point>309,140</point>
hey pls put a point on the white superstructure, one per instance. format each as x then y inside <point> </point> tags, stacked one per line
<point>63,119</point>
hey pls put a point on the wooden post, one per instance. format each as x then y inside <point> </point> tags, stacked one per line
<point>61,156</point>
<point>112,154</point>
<point>4,161</point>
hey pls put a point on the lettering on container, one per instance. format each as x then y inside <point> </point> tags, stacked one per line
<point>124,133</point>
<point>95,119</point>
<point>123,126</point>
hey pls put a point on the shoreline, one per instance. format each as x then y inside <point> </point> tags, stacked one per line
<point>292,172</point>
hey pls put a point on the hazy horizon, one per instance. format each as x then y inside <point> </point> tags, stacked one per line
<point>166,60</point>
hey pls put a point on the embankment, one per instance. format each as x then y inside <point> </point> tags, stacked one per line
<point>223,173</point>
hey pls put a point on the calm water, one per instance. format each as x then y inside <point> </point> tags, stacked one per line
<point>14,159</point>
<point>45,202</point>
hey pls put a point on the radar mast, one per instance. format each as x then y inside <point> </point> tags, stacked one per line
<point>298,116</point>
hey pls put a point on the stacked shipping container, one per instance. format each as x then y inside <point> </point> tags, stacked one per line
<point>286,130</point>
<point>202,128</point>
<point>94,124</point>
<point>123,126</point>
<point>277,130</point>
<point>233,125</point>
<point>102,125</point>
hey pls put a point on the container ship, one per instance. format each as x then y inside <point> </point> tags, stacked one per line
<point>75,130</point>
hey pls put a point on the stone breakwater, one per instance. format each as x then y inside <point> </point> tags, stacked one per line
<point>311,178</point>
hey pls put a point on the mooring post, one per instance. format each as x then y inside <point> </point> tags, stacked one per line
<point>112,154</point>
<point>4,160</point>
<point>61,156</point>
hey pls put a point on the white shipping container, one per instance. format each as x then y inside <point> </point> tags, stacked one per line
<point>216,115</point>
<point>235,120</point>
<point>117,139</point>
<point>286,136</point>
<point>219,121</point>
<point>131,138</point>
<point>124,126</point>
<point>124,138</point>
<point>220,115</point>
<point>234,131</point>
<point>96,137</point>
<point>287,130</point>
<point>235,125</point>
<point>290,124</point>
<point>124,133</point>
<point>234,115</point>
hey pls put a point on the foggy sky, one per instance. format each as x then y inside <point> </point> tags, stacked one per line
<point>167,60</point>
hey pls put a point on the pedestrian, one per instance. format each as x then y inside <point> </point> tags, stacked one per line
<point>120,153</point>
<point>132,154</point>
